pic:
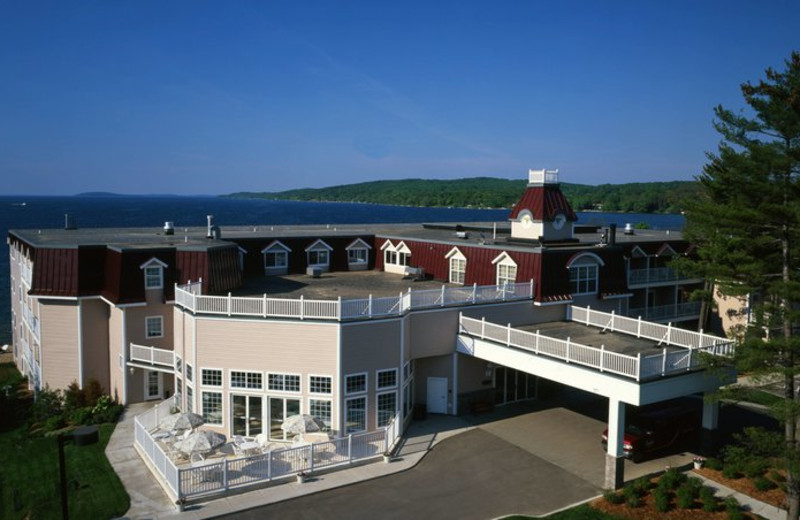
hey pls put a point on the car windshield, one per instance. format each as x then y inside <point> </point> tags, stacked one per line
<point>636,430</point>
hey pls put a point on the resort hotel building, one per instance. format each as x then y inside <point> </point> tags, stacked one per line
<point>356,325</point>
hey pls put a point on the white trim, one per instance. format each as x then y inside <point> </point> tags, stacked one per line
<point>318,245</point>
<point>455,252</point>
<point>276,244</point>
<point>314,397</point>
<point>666,247</point>
<point>221,404</point>
<point>366,413</point>
<point>146,326</point>
<point>618,296</point>
<point>638,252</point>
<point>145,376</point>
<point>152,261</point>
<point>125,357</point>
<point>80,345</point>
<point>585,255</point>
<point>336,424</point>
<point>550,304</point>
<point>403,248</point>
<point>377,406</point>
<point>505,259</point>
<point>386,245</point>
<point>354,245</point>
<point>454,410</point>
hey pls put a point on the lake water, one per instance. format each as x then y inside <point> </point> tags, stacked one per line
<point>129,211</point>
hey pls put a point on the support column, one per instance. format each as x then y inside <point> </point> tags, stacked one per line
<point>710,424</point>
<point>615,460</point>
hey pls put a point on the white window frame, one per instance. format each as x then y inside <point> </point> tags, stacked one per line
<point>458,266</point>
<point>153,280</point>
<point>247,383</point>
<point>322,251</point>
<point>311,385</point>
<point>154,319</point>
<point>378,379</point>
<point>279,250</point>
<point>283,376</point>
<point>361,249</point>
<point>584,273</point>
<point>203,371</point>
<point>208,420</point>
<point>356,392</point>
<point>329,423</point>
<point>504,266</point>
<point>365,414</point>
<point>378,410</point>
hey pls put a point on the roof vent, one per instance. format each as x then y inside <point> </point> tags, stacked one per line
<point>69,222</point>
<point>213,230</point>
<point>169,228</point>
<point>628,229</point>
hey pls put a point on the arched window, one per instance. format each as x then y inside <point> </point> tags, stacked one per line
<point>583,273</point>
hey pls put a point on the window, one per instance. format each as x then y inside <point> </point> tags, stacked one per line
<point>211,377</point>
<point>458,267</point>
<point>387,408</point>
<point>178,365</point>
<point>319,384</point>
<point>386,378</point>
<point>355,383</point>
<point>358,252</point>
<point>154,326</point>
<point>318,257</point>
<point>396,255</point>
<point>355,415</point>
<point>284,382</point>
<point>321,409</point>
<point>276,259</point>
<point>189,399</point>
<point>153,278</point>
<point>248,380</point>
<point>506,269</point>
<point>583,279</point>
<point>179,392</point>
<point>212,407</point>
<point>189,373</point>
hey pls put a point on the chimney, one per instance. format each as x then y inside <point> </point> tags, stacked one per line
<point>69,222</point>
<point>210,233</point>
<point>612,234</point>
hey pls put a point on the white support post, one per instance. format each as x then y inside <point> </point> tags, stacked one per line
<point>302,307</point>
<point>229,304</point>
<point>664,362</point>
<point>588,314</point>
<point>638,366</point>
<point>616,427</point>
<point>531,293</point>
<point>350,447</point>
<point>639,327</point>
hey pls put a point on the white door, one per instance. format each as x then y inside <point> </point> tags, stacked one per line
<point>152,384</point>
<point>437,395</point>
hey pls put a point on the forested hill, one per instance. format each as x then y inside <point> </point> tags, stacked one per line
<point>490,192</point>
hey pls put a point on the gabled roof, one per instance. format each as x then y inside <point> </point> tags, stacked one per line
<point>544,202</point>
<point>455,252</point>
<point>358,244</point>
<point>504,258</point>
<point>317,245</point>
<point>276,244</point>
<point>153,262</point>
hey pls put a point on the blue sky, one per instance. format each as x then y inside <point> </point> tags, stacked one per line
<point>214,97</point>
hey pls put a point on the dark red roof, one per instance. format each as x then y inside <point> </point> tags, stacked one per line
<point>544,202</point>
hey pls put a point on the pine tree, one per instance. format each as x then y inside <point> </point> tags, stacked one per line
<point>746,225</point>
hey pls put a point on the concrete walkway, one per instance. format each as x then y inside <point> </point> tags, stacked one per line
<point>751,504</point>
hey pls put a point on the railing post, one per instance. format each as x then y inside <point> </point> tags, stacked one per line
<point>302,307</point>
<point>265,305</point>
<point>613,325</point>
<point>474,291</point>
<point>639,328</point>
<point>602,357</point>
<point>442,302</point>
<point>588,315</point>
<point>410,304</point>
<point>638,366</point>
<point>566,354</point>
<point>689,365</point>
<point>669,333</point>
<point>400,304</point>
<point>508,335</point>
<point>536,345</point>
<point>369,306</point>
<point>229,304</point>
<point>225,474</point>
<point>339,308</point>
<point>350,448</point>
<point>311,464</point>
<point>664,362</point>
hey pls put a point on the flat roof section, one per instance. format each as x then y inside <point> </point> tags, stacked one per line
<point>590,336</point>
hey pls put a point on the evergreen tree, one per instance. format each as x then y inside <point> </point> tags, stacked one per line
<point>746,225</point>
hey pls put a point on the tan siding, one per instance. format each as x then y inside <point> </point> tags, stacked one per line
<point>94,327</point>
<point>369,346</point>
<point>439,366</point>
<point>472,375</point>
<point>137,331</point>
<point>433,333</point>
<point>59,325</point>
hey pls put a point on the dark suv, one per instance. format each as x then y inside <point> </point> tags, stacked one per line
<point>656,428</point>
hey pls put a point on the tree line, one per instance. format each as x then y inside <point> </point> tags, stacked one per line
<point>491,192</point>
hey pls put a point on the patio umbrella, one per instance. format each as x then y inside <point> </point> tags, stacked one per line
<point>300,424</point>
<point>200,441</point>
<point>181,421</point>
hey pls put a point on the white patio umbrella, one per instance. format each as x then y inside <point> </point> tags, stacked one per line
<point>201,441</point>
<point>181,421</point>
<point>300,424</point>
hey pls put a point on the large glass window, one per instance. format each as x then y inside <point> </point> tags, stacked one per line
<point>319,384</point>
<point>386,378</point>
<point>387,408</point>
<point>278,258</point>
<point>355,414</point>
<point>357,256</point>
<point>212,407</point>
<point>583,279</point>
<point>279,409</point>
<point>284,382</point>
<point>246,415</point>
<point>248,380</point>
<point>321,409</point>
<point>211,377</point>
<point>506,274</point>
<point>355,383</point>
<point>318,257</point>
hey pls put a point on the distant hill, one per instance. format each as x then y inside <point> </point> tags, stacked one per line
<point>490,192</point>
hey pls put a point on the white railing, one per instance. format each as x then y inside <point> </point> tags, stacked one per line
<point>215,477</point>
<point>353,309</point>
<point>32,321</point>
<point>654,275</point>
<point>152,355</point>
<point>543,176</point>
<point>667,312</point>
<point>636,367</point>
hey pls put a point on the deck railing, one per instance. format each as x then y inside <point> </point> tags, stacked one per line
<point>637,367</point>
<point>350,309</point>
<point>654,275</point>
<point>215,477</point>
<point>152,355</point>
<point>686,310</point>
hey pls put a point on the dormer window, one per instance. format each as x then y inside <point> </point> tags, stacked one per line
<point>276,258</point>
<point>506,269</point>
<point>458,266</point>
<point>583,273</point>
<point>318,254</point>
<point>395,257</point>
<point>358,255</point>
<point>153,273</point>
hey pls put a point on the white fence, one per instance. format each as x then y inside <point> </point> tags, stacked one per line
<point>218,476</point>
<point>684,310</point>
<point>635,367</point>
<point>355,309</point>
<point>152,355</point>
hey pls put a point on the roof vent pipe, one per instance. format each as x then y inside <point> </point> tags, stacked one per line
<point>69,222</point>
<point>210,219</point>
<point>628,229</point>
<point>612,234</point>
<point>169,228</point>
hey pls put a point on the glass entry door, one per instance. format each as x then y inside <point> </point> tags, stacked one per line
<point>279,409</point>
<point>247,415</point>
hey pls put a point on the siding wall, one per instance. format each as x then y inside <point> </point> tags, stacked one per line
<point>59,325</point>
<point>94,327</point>
<point>437,366</point>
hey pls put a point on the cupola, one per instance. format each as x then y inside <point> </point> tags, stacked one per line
<point>543,213</point>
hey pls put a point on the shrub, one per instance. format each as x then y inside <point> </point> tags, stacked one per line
<point>633,501</point>
<point>733,509</point>
<point>755,468</point>
<point>671,479</point>
<point>54,423</point>
<point>93,392</point>
<point>632,496</point>
<point>612,497</point>
<point>708,499</point>
<point>661,500</point>
<point>685,496</point>
<point>81,416</point>
<point>49,403</point>
<point>641,485</point>
<point>731,471</point>
<point>714,463</point>
<point>777,476</point>
<point>74,398</point>
<point>764,484</point>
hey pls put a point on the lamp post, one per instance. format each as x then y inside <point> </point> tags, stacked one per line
<point>83,436</point>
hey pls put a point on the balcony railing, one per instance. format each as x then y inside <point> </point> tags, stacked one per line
<point>653,275</point>
<point>351,309</point>
<point>686,310</point>
<point>32,321</point>
<point>152,355</point>
<point>637,367</point>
